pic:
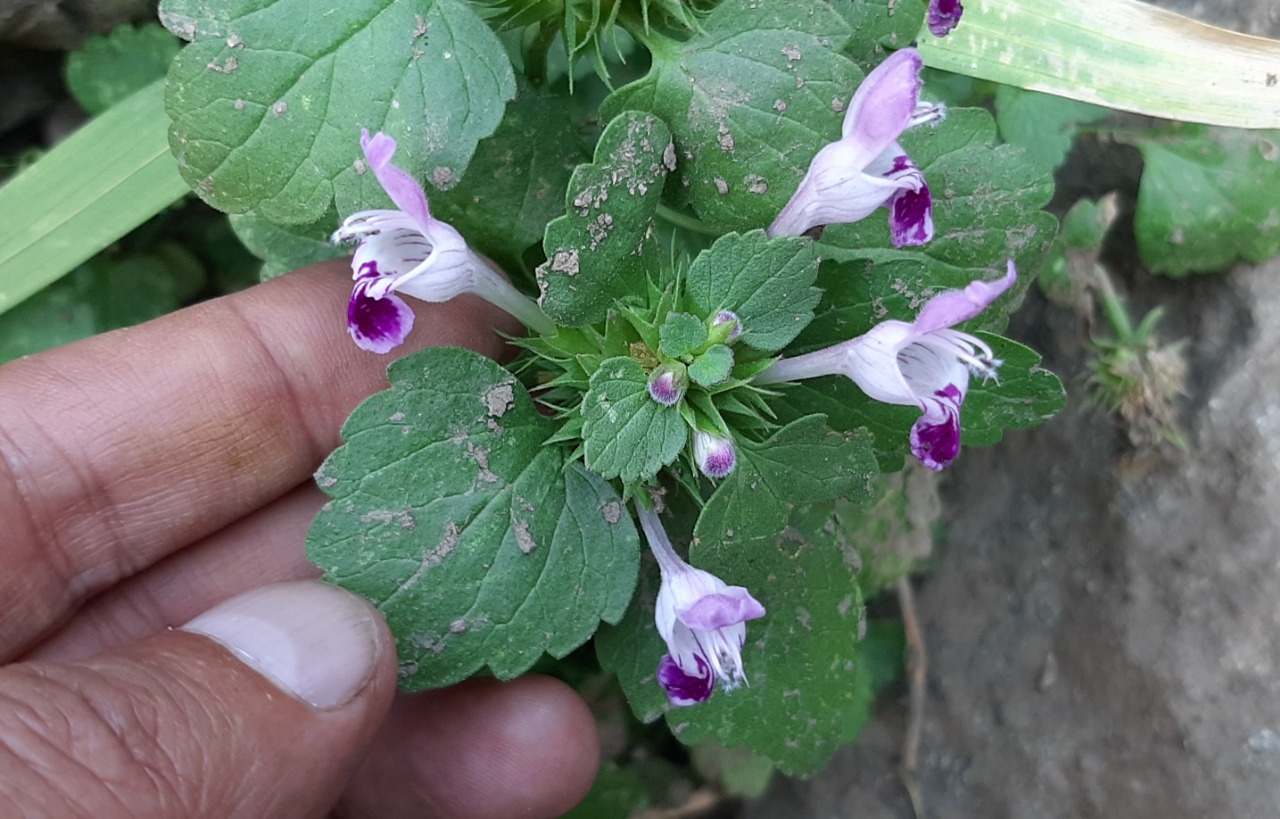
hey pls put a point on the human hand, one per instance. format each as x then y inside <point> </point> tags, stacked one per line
<point>152,474</point>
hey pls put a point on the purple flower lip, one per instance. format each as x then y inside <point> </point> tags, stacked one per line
<point>944,15</point>
<point>925,363</point>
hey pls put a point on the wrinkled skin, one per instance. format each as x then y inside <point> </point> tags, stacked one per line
<point>149,473</point>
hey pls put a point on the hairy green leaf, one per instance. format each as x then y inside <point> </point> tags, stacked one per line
<point>110,67</point>
<point>481,546</point>
<point>768,283</point>
<point>627,434</point>
<point>1043,124</point>
<point>681,334</point>
<point>286,247</point>
<point>879,26</point>
<point>712,367</point>
<point>516,181</point>
<point>1208,197</point>
<point>603,248</point>
<point>750,101</point>
<point>268,99</point>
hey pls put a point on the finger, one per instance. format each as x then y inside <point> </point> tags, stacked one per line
<point>480,750</point>
<point>118,449</point>
<point>259,708</point>
<point>263,547</point>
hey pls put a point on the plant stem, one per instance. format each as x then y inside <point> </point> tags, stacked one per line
<point>675,217</point>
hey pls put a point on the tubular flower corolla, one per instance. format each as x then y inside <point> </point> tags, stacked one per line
<point>867,168</point>
<point>409,251</point>
<point>923,363</point>
<point>702,620</point>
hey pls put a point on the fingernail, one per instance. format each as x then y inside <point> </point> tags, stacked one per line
<point>317,642</point>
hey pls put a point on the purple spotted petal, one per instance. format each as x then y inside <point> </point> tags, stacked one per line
<point>954,306</point>
<point>944,15</point>
<point>685,689</point>
<point>377,325</point>
<point>403,189</point>
<point>910,208</point>
<point>714,611</point>
<point>935,438</point>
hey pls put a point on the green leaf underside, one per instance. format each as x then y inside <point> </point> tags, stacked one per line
<point>602,249</point>
<point>809,693</point>
<point>287,247</point>
<point>481,546</point>
<point>111,67</point>
<point>1042,124</point>
<point>768,283</point>
<point>986,204</point>
<point>750,102</point>
<point>517,179</point>
<point>268,99</point>
<point>626,433</point>
<point>1207,198</point>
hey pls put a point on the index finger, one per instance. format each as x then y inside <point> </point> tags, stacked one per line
<point>117,450</point>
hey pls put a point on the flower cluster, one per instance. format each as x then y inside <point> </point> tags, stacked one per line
<point>925,363</point>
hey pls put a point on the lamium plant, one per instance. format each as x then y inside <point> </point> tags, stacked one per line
<point>724,349</point>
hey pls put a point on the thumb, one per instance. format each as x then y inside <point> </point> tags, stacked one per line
<point>260,707</point>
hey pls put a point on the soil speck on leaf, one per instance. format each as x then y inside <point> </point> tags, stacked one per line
<point>524,540</point>
<point>239,105</point>
<point>280,108</point>
<point>722,187</point>
<point>791,53</point>
<point>566,262</point>
<point>442,177</point>
<point>837,104</point>
<point>612,512</point>
<point>669,156</point>
<point>499,399</point>
<point>225,68</point>
<point>458,626</point>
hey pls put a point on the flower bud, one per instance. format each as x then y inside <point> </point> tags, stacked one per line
<point>726,328</point>
<point>667,384</point>
<point>715,456</point>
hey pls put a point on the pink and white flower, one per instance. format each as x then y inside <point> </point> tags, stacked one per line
<point>924,363</point>
<point>715,456</point>
<point>409,251</point>
<point>701,619</point>
<point>867,168</point>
